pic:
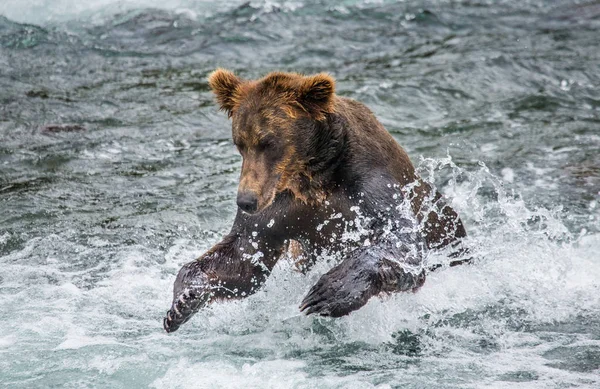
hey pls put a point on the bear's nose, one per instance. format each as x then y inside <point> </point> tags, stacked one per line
<point>247,201</point>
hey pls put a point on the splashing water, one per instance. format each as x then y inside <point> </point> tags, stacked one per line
<point>497,105</point>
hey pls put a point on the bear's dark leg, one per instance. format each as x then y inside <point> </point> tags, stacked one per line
<point>236,267</point>
<point>228,271</point>
<point>391,265</point>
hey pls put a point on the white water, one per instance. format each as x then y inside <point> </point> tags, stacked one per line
<point>486,320</point>
<point>55,11</point>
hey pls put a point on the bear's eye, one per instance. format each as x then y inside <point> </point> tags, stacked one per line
<point>265,143</point>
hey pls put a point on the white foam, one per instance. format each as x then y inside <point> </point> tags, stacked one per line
<point>527,266</point>
<point>76,339</point>
<point>7,341</point>
<point>508,174</point>
<point>276,374</point>
<point>44,11</point>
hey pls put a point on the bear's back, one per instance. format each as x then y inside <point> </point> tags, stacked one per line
<point>371,146</point>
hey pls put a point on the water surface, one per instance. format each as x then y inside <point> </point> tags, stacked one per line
<point>498,103</point>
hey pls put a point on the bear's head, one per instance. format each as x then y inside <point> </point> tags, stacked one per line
<point>280,125</point>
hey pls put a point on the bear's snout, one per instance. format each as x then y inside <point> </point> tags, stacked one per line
<point>247,201</point>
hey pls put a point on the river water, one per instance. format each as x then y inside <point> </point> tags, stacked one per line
<point>497,102</point>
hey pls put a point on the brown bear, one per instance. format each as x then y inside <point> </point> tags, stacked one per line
<point>308,155</point>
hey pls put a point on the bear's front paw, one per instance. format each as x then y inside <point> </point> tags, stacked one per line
<point>337,294</point>
<point>183,308</point>
<point>191,292</point>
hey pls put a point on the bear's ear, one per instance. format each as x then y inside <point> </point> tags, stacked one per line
<point>225,85</point>
<point>316,93</point>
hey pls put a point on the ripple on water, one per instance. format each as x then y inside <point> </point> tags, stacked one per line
<point>497,105</point>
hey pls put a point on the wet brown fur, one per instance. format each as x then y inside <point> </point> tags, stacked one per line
<point>258,107</point>
<point>271,105</point>
<point>309,154</point>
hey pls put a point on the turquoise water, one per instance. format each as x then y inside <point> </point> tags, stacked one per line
<point>498,103</point>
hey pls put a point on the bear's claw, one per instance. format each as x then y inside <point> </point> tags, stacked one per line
<point>343,289</point>
<point>183,308</point>
<point>325,301</point>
